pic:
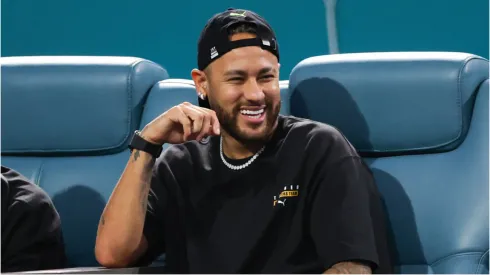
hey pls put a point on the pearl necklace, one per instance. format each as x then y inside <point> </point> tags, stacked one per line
<point>237,167</point>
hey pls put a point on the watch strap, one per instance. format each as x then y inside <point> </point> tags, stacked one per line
<point>139,143</point>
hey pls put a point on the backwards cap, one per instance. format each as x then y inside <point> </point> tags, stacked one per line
<point>214,41</point>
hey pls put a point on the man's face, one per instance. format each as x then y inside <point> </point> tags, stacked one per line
<point>244,92</point>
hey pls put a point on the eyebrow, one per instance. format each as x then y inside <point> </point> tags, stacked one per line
<point>235,72</point>
<point>267,70</point>
<point>244,73</point>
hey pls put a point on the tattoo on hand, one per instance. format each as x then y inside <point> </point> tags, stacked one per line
<point>349,268</point>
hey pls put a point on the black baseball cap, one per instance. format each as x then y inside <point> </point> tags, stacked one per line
<point>214,40</point>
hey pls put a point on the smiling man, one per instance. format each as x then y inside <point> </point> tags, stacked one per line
<point>243,189</point>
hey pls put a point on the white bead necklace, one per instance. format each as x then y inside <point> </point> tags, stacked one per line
<point>237,167</point>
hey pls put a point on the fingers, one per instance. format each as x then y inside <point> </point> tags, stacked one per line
<point>200,121</point>
<point>186,123</point>
<point>203,121</point>
<point>197,118</point>
<point>210,125</point>
<point>206,126</point>
<point>214,123</point>
<point>211,118</point>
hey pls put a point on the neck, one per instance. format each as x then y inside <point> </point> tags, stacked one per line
<point>234,149</point>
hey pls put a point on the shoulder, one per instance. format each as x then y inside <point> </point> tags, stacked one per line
<point>319,137</point>
<point>19,188</point>
<point>22,197</point>
<point>311,128</point>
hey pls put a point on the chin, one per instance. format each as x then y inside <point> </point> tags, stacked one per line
<point>250,130</point>
<point>260,134</point>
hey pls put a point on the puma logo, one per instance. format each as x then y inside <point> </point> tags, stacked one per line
<point>238,14</point>
<point>282,202</point>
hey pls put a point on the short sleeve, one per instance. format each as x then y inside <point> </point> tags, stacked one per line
<point>347,220</point>
<point>32,237</point>
<point>154,226</point>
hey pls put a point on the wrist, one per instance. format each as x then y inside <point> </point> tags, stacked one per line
<point>148,136</point>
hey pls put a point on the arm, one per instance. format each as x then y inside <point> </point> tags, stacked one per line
<point>120,240</point>
<point>129,231</point>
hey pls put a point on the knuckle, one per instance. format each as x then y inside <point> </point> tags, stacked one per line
<point>177,108</point>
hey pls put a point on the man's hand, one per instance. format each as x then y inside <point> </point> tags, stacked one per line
<point>349,268</point>
<point>182,123</point>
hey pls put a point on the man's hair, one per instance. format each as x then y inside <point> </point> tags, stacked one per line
<point>243,28</point>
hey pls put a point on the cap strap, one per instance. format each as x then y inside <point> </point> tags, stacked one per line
<point>257,41</point>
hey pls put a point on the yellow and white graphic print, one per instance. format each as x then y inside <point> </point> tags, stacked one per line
<point>288,192</point>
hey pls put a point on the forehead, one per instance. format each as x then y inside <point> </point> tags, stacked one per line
<point>247,59</point>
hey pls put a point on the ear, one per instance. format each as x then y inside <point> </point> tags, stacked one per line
<point>200,81</point>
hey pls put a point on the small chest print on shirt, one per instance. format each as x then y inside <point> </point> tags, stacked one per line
<point>288,193</point>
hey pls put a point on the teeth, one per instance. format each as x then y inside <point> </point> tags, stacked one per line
<point>253,113</point>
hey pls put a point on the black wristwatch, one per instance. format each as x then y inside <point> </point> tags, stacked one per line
<point>139,143</point>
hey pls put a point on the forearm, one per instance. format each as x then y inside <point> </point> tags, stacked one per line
<point>120,230</point>
<point>349,268</point>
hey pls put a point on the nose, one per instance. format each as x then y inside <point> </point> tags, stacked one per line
<point>253,91</point>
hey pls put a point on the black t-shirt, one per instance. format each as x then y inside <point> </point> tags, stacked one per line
<point>307,202</point>
<point>31,229</point>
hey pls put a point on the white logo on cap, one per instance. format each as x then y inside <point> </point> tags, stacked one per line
<point>238,14</point>
<point>266,42</point>
<point>214,52</point>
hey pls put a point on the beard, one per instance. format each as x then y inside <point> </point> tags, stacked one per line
<point>229,122</point>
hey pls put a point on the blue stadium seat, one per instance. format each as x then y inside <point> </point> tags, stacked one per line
<point>66,123</point>
<point>421,121</point>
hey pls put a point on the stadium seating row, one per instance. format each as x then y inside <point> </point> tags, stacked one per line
<point>420,120</point>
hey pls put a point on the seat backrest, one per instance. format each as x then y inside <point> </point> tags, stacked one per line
<point>66,123</point>
<point>420,120</point>
<point>171,92</point>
